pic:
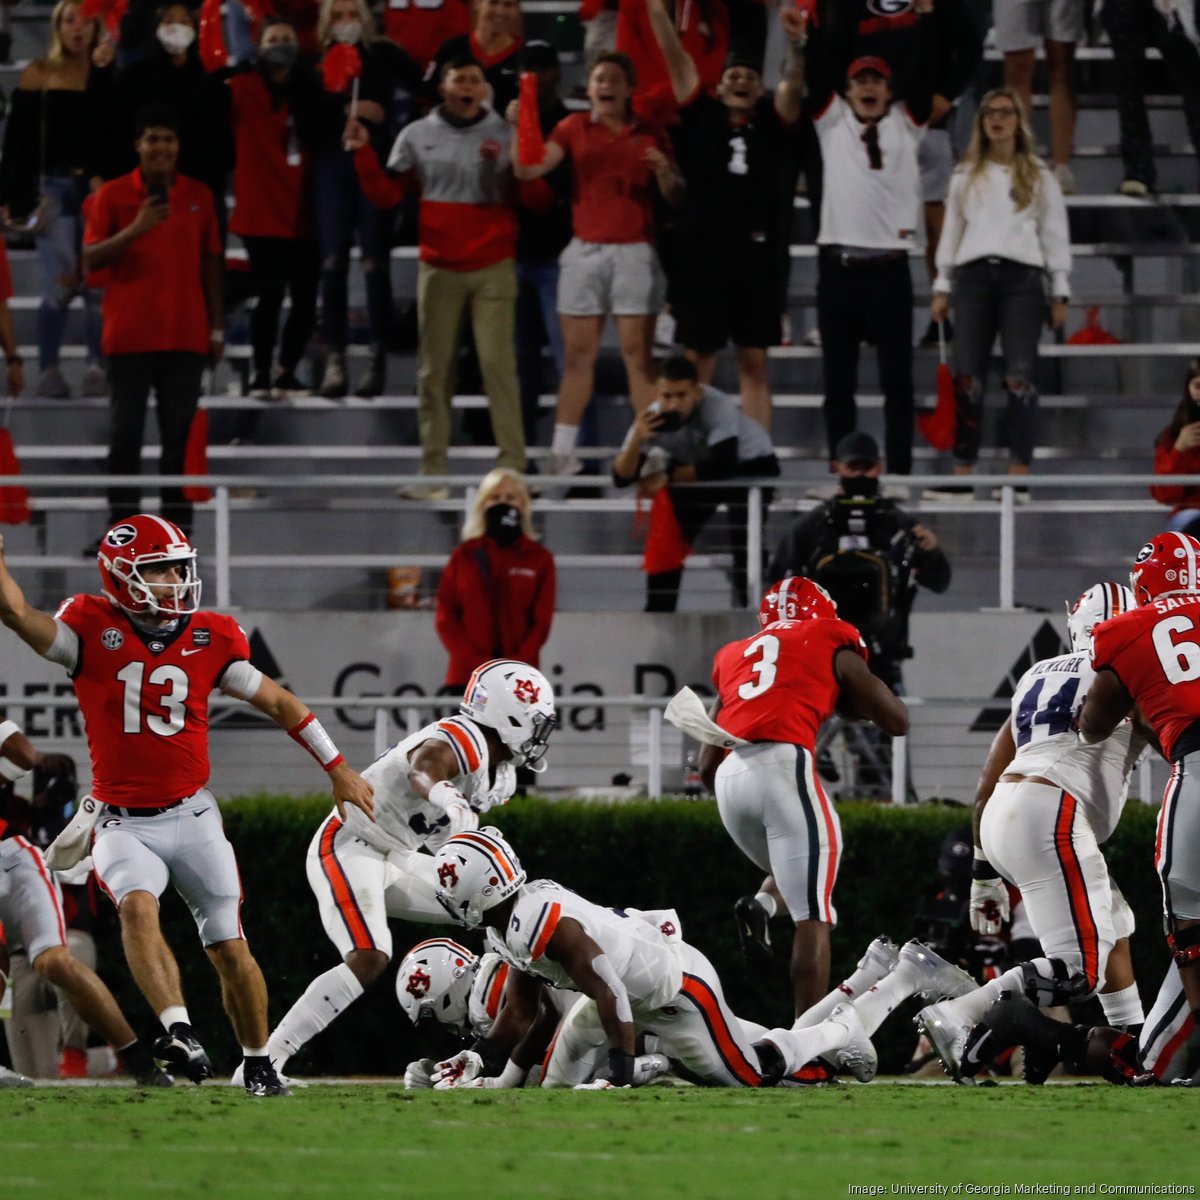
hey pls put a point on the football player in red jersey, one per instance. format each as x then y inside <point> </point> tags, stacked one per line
<point>775,690</point>
<point>144,660</point>
<point>1150,658</point>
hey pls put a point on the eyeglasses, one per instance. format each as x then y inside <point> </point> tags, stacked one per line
<point>999,112</point>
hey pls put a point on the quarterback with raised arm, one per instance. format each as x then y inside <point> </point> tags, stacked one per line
<point>144,658</point>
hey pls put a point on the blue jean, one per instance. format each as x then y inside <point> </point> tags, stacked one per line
<point>60,273</point>
<point>343,214</point>
<point>537,325</point>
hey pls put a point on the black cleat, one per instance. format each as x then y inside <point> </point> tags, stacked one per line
<point>754,935</point>
<point>261,1079</point>
<point>179,1050</point>
<point>1014,1020</point>
<point>138,1061</point>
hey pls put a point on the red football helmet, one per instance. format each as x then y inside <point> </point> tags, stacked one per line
<point>1167,565</point>
<point>139,542</point>
<point>795,599</point>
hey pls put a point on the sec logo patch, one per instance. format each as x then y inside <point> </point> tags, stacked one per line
<point>112,639</point>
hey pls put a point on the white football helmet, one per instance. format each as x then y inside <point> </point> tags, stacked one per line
<point>476,870</point>
<point>434,982</point>
<point>517,701</point>
<point>1098,603</point>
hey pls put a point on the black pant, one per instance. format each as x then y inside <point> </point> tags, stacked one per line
<point>278,265</point>
<point>174,376</point>
<point>872,300</point>
<point>694,506</point>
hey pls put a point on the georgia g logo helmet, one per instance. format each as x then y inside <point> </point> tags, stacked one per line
<point>1167,565</point>
<point>131,546</point>
<point>795,599</point>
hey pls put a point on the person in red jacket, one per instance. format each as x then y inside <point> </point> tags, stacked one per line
<point>496,597</point>
<point>1177,452</point>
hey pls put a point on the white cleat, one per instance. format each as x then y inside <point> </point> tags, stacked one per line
<point>933,977</point>
<point>11,1079</point>
<point>858,1054</point>
<point>947,1034</point>
<point>881,956</point>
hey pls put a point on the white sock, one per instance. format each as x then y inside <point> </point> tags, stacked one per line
<point>564,439</point>
<point>851,988</point>
<point>253,1051</point>
<point>325,999</point>
<point>972,1007</point>
<point>1124,1007</point>
<point>800,1046</point>
<point>173,1014</point>
<point>767,903</point>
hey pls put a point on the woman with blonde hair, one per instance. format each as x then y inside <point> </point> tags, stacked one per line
<point>1004,241</point>
<point>496,597</point>
<point>42,187</point>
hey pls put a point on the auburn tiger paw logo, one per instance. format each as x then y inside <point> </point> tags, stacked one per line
<point>419,984</point>
<point>448,875</point>
<point>526,690</point>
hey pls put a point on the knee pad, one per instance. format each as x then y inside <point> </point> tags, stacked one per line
<point>1185,945</point>
<point>1061,986</point>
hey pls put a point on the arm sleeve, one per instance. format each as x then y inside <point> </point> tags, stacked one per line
<point>561,135</point>
<point>64,650</point>
<point>827,56</point>
<point>1054,234</point>
<point>922,70</point>
<point>241,680</point>
<point>378,186</point>
<point>963,48</point>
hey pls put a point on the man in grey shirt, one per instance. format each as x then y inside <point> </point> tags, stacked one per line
<point>690,434</point>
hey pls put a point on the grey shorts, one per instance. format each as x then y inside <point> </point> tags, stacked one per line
<point>622,278</point>
<point>30,900</point>
<point>1025,24</point>
<point>935,158</point>
<point>184,846</point>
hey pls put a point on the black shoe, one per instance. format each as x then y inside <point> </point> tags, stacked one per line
<point>260,386</point>
<point>286,384</point>
<point>372,382</point>
<point>1014,1020</point>
<point>261,1078</point>
<point>752,922</point>
<point>178,1049</point>
<point>137,1061</point>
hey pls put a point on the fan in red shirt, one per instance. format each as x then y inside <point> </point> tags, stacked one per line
<point>144,660</point>
<point>775,690</point>
<point>1150,657</point>
<point>1177,452</point>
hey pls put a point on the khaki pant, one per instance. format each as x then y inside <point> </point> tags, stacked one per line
<point>442,298</point>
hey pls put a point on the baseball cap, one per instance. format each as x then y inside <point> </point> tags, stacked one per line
<point>857,447</point>
<point>740,58</point>
<point>868,62</point>
<point>538,56</point>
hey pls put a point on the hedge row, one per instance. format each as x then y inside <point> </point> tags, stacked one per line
<point>648,854</point>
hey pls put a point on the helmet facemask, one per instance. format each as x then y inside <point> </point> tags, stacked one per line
<point>158,598</point>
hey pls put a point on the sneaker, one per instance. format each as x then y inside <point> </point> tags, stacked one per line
<point>179,1049</point>
<point>10,1079</point>
<point>374,377</point>
<point>664,331</point>
<point>260,387</point>
<point>1137,189</point>
<point>72,1063</point>
<point>881,956</point>
<point>95,381</point>
<point>137,1061</point>
<point>52,385</point>
<point>286,384</point>
<point>813,337</point>
<point>561,464</point>
<point>947,1033</point>
<point>752,922</point>
<point>260,1078</point>
<point>935,978</point>
<point>858,1054</point>
<point>1066,179</point>
<point>333,381</point>
<point>423,493</point>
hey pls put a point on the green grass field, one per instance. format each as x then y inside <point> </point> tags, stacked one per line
<point>369,1140</point>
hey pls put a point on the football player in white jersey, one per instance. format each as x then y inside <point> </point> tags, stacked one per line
<point>638,975</point>
<point>1044,804</point>
<point>432,784</point>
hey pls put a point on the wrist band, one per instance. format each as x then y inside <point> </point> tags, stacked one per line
<point>444,794</point>
<point>981,869</point>
<point>10,771</point>
<point>7,729</point>
<point>310,733</point>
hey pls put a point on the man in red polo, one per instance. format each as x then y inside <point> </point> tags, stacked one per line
<point>152,244</point>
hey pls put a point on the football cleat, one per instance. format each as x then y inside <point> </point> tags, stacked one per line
<point>179,1051</point>
<point>260,1078</point>
<point>11,1079</point>
<point>933,977</point>
<point>947,1034</point>
<point>1014,1020</point>
<point>881,956</point>
<point>238,1078</point>
<point>858,1054</point>
<point>139,1062</point>
<point>754,934</point>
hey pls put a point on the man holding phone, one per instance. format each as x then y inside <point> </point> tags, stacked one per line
<point>691,433</point>
<point>153,246</point>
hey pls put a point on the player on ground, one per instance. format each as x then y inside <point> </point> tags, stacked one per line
<point>639,976</point>
<point>1044,805</point>
<point>1151,657</point>
<point>432,784</point>
<point>775,690</point>
<point>144,659</point>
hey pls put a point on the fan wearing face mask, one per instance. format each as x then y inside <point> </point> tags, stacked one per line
<point>1177,452</point>
<point>496,597</point>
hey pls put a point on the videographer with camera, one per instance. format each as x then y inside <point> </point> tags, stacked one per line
<point>691,433</point>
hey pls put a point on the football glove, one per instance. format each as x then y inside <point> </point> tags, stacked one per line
<point>989,905</point>
<point>462,817</point>
<point>600,1085</point>
<point>458,1071</point>
<point>419,1074</point>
